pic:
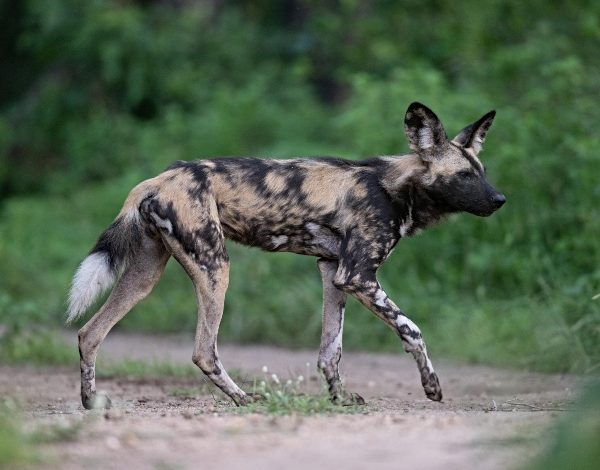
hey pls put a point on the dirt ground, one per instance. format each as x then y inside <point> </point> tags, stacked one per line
<point>489,419</point>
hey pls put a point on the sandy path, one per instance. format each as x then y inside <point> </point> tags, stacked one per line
<point>151,427</point>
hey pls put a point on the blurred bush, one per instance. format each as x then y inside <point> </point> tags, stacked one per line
<point>16,450</point>
<point>574,442</point>
<point>98,95</point>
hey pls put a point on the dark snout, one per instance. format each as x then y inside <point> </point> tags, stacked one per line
<point>495,201</point>
<point>473,195</point>
<point>498,200</point>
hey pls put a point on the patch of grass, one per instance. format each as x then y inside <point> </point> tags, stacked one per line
<point>41,348</point>
<point>20,446</point>
<point>289,402</point>
<point>143,369</point>
<point>186,392</point>
<point>575,444</point>
<point>15,447</point>
<point>192,382</point>
<point>276,397</point>
<point>290,397</point>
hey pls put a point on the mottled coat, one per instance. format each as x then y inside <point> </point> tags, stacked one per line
<point>349,214</point>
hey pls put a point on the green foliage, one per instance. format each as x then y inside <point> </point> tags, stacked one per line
<point>38,348</point>
<point>575,440</point>
<point>283,397</point>
<point>20,445</point>
<point>289,402</point>
<point>56,432</point>
<point>113,92</point>
<point>15,449</point>
<point>24,341</point>
<point>143,369</point>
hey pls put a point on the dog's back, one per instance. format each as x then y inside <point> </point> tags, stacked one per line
<point>277,205</point>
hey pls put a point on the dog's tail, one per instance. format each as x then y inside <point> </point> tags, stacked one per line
<point>115,248</point>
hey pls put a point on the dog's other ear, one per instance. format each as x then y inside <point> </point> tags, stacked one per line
<point>423,128</point>
<point>473,136</point>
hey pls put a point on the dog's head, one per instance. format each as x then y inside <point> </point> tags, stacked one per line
<point>454,176</point>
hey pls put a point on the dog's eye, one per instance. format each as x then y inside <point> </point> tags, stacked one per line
<point>464,174</point>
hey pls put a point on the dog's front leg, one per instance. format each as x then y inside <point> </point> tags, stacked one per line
<point>363,284</point>
<point>330,351</point>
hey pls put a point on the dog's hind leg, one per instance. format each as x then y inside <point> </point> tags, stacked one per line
<point>199,246</point>
<point>210,284</point>
<point>140,276</point>
<point>330,351</point>
<point>210,291</point>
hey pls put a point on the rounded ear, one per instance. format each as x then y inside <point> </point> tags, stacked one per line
<point>473,136</point>
<point>423,128</point>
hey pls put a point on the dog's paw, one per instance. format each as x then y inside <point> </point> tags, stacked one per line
<point>256,397</point>
<point>247,398</point>
<point>348,399</point>
<point>99,401</point>
<point>432,388</point>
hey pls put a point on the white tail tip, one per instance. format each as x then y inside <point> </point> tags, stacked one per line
<point>92,278</point>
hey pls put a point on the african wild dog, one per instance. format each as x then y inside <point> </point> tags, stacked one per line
<point>349,214</point>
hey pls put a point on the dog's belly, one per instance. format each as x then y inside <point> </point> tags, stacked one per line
<point>309,238</point>
<point>315,240</point>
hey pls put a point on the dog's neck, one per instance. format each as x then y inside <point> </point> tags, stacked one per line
<point>417,206</point>
<point>426,209</point>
